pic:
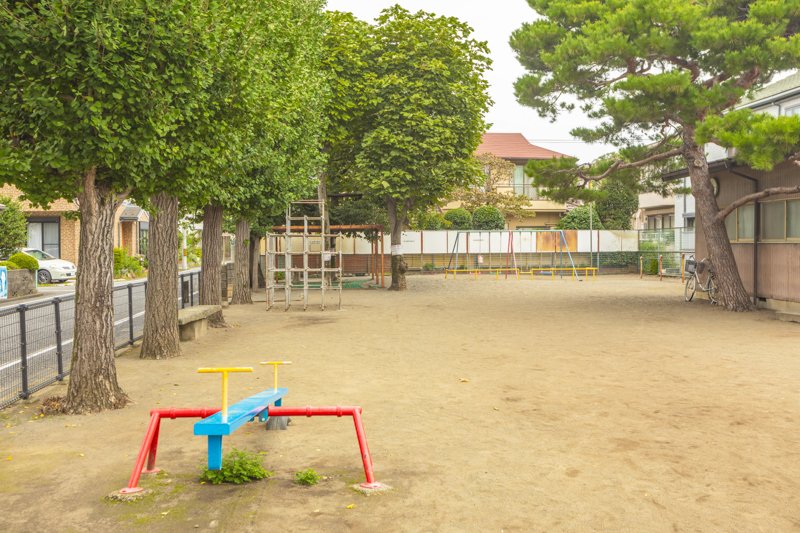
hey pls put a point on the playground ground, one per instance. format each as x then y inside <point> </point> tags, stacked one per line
<point>489,406</point>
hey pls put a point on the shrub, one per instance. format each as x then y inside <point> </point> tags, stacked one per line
<point>237,467</point>
<point>459,218</point>
<point>13,227</point>
<point>428,267</point>
<point>125,265</point>
<point>578,218</point>
<point>9,265</point>
<point>432,221</point>
<point>488,217</point>
<point>24,261</point>
<point>307,477</point>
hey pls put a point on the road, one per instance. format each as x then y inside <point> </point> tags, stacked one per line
<point>40,332</point>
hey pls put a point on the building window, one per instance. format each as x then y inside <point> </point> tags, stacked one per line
<point>740,224</point>
<point>780,221</point>
<point>773,221</point>
<point>746,222</point>
<point>523,185</point>
<point>795,110</point>
<point>793,219</point>
<point>45,235</point>
<point>144,230</point>
<point>730,226</point>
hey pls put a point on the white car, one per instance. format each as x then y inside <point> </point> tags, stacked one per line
<point>50,268</point>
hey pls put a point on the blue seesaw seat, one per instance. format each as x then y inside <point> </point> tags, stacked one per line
<point>238,414</point>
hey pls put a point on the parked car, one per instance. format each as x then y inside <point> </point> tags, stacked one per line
<point>50,268</point>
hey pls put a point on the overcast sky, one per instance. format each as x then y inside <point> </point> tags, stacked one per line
<point>494,21</point>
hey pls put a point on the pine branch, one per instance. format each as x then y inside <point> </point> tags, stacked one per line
<point>620,164</point>
<point>772,191</point>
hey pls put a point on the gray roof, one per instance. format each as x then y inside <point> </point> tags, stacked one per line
<point>773,89</point>
<point>131,212</point>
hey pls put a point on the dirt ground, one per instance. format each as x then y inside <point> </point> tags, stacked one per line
<point>489,406</point>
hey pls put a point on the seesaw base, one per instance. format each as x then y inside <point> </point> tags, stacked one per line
<point>368,489</point>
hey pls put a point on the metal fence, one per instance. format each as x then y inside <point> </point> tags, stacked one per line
<point>612,252</point>
<point>36,339</point>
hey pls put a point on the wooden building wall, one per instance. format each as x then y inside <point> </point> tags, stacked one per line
<point>778,262</point>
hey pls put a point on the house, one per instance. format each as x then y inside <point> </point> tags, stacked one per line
<point>514,147</point>
<point>56,230</point>
<point>765,234</point>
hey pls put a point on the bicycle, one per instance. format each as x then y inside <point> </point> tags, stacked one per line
<point>695,269</point>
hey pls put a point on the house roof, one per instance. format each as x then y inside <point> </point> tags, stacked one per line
<point>513,146</point>
<point>131,212</point>
<point>785,85</point>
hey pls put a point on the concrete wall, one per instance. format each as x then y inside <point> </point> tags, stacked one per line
<point>21,283</point>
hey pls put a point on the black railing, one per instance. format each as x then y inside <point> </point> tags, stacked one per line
<point>36,338</point>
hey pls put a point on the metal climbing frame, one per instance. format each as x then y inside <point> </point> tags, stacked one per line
<point>285,245</point>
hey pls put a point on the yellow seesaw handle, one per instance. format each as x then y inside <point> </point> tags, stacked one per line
<point>224,371</point>
<point>275,365</point>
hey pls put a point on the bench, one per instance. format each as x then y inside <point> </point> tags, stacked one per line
<point>193,321</point>
<point>217,426</point>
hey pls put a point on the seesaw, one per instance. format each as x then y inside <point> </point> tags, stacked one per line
<point>218,423</point>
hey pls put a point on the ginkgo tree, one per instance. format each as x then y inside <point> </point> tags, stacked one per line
<point>662,78</point>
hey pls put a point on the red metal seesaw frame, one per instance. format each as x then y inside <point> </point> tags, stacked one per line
<point>150,442</point>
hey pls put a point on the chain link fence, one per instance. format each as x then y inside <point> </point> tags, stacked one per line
<point>36,339</point>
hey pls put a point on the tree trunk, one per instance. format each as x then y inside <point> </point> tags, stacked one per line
<point>241,265</point>
<point>211,262</point>
<point>93,377</point>
<point>161,339</point>
<point>399,265</point>
<point>731,293</point>
<point>255,260</point>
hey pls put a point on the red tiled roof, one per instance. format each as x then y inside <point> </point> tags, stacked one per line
<point>513,146</point>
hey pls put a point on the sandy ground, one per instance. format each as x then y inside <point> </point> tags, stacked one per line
<point>590,406</point>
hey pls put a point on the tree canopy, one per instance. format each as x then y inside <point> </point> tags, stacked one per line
<point>660,78</point>
<point>13,227</point>
<point>408,101</point>
<point>617,204</point>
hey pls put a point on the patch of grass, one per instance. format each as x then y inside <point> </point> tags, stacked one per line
<point>237,467</point>
<point>307,477</point>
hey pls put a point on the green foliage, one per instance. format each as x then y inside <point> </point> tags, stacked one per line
<point>307,477</point>
<point>95,84</point>
<point>410,72</point>
<point>358,211</point>
<point>578,218</point>
<point>24,261</point>
<point>760,139</point>
<point>428,267</point>
<point>488,217</point>
<point>617,205</point>
<point>13,227</point>
<point>459,219</point>
<point>651,267</point>
<point>659,77</point>
<point>237,467</point>
<point>495,172</point>
<point>620,259</point>
<point>126,266</point>
<point>430,220</point>
<point>9,265</point>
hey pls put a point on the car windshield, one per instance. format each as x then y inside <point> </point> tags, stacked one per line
<point>38,254</point>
